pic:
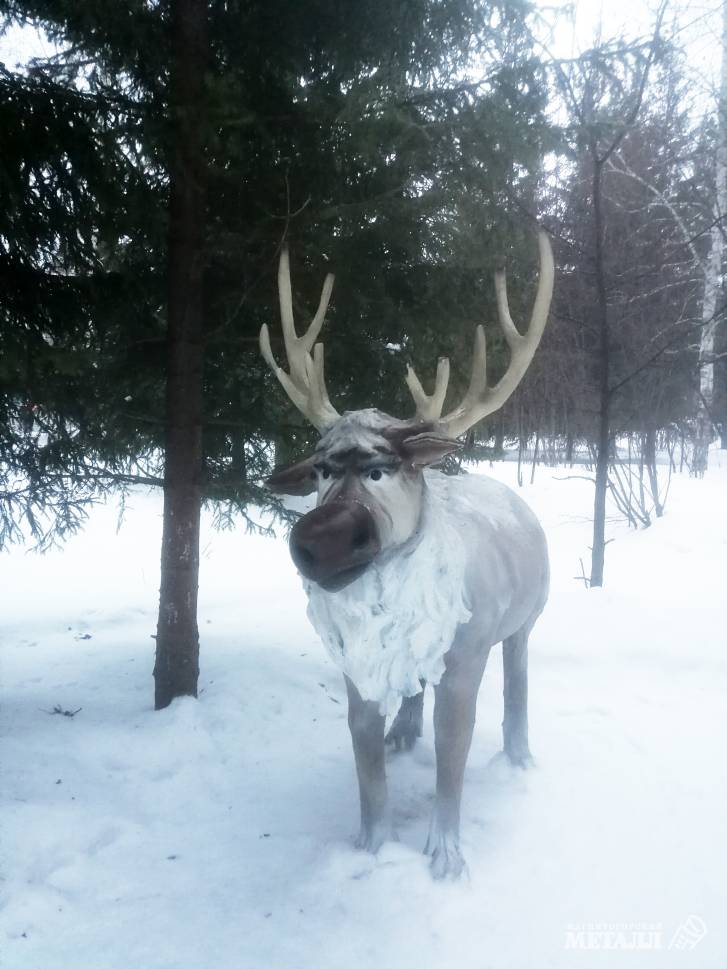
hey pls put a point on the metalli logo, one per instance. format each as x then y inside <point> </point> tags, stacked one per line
<point>633,936</point>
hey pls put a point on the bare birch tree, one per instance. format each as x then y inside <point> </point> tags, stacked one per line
<point>604,92</point>
<point>704,430</point>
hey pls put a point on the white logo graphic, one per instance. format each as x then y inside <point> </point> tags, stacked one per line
<point>626,936</point>
<point>630,936</point>
<point>689,934</point>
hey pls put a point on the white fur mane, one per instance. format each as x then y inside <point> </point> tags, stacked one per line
<point>392,626</point>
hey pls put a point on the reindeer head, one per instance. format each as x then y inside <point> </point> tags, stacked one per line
<point>367,466</point>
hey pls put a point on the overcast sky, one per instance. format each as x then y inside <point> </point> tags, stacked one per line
<point>574,26</point>
<point>695,24</point>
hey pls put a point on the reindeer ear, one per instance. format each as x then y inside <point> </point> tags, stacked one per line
<point>427,448</point>
<point>293,479</point>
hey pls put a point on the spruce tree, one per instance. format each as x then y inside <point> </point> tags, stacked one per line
<point>392,144</point>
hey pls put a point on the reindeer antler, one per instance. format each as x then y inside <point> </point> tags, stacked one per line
<point>305,384</point>
<point>481,400</point>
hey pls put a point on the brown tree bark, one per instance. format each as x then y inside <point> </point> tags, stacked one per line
<point>176,670</point>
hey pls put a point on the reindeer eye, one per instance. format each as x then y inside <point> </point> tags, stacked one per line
<point>375,474</point>
<point>325,474</point>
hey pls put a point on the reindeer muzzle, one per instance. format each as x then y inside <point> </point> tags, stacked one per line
<point>335,543</point>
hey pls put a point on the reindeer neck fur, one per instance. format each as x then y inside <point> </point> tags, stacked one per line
<point>393,625</point>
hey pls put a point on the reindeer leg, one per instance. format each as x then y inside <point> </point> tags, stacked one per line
<point>454,719</point>
<point>367,733</point>
<point>408,722</point>
<point>515,722</point>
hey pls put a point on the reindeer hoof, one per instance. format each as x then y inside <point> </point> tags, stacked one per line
<point>371,837</point>
<point>404,731</point>
<point>446,858</point>
<point>520,757</point>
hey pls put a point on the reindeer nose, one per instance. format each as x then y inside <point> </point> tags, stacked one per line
<point>335,543</point>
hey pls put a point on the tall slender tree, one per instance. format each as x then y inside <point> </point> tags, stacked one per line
<point>711,312</point>
<point>604,93</point>
<point>176,670</point>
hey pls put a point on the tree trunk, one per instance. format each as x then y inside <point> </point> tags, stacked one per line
<point>176,669</point>
<point>649,457</point>
<point>603,439</point>
<point>713,275</point>
<point>569,450</point>
<point>520,448</point>
<point>499,444</point>
<point>238,457</point>
<point>535,453</point>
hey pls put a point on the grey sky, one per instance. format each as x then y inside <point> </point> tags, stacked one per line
<point>568,28</point>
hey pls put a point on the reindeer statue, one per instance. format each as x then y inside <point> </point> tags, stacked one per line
<point>411,575</point>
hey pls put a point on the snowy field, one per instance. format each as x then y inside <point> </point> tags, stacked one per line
<point>218,833</point>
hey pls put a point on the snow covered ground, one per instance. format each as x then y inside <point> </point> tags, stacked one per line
<point>218,832</point>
